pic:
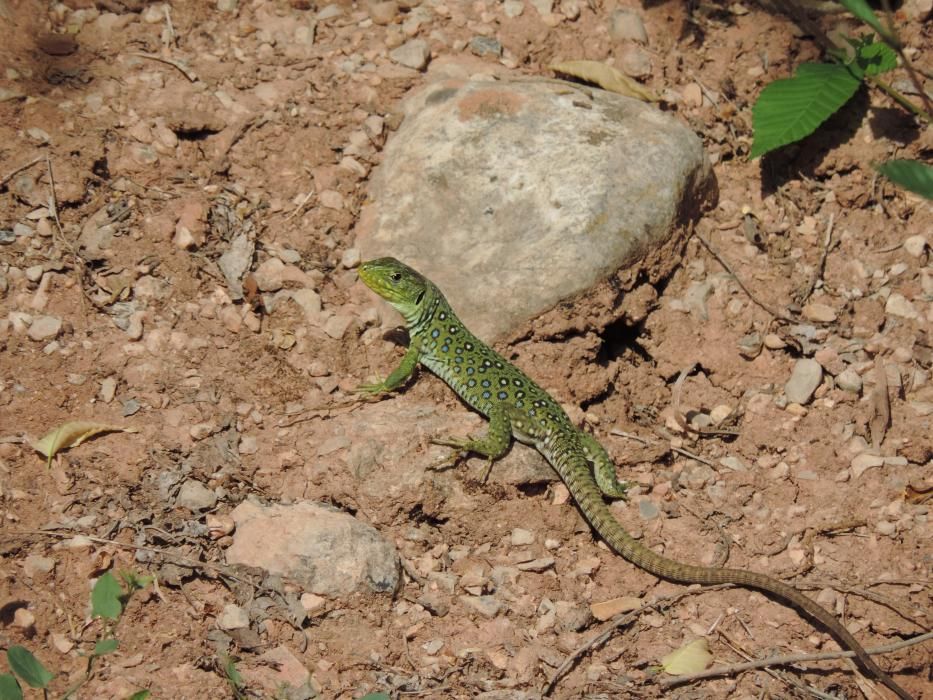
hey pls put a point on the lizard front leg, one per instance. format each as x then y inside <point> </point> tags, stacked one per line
<point>398,377</point>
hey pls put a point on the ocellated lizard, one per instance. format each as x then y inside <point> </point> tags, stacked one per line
<point>517,407</point>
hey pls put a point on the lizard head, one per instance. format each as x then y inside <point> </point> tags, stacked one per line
<point>395,282</point>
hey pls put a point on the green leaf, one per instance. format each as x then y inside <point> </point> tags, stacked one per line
<point>105,646</point>
<point>860,9</point>
<point>9,688</point>
<point>134,581</point>
<point>790,109</point>
<point>140,695</point>
<point>874,57</point>
<point>105,598</point>
<point>28,667</point>
<point>909,174</point>
<point>376,696</point>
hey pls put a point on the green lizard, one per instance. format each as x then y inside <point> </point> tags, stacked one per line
<point>517,407</point>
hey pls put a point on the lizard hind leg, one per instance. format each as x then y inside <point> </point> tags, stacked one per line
<point>604,470</point>
<point>492,445</point>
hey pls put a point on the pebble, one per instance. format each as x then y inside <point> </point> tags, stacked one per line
<point>435,603</point>
<point>733,463</point>
<point>821,313</point>
<point>309,301</point>
<point>849,380</point>
<point>44,328</point>
<point>329,12</point>
<point>34,273</point>
<point>774,342</point>
<point>35,565</point>
<point>195,496</point>
<point>233,617</point>
<point>331,199</point>
<point>693,95</point>
<point>635,62</point>
<point>248,445</point>
<point>219,525</point>
<point>627,25</point>
<point>804,380</point>
<point>108,388</point>
<point>485,46</point>
<point>21,230</point>
<point>899,305</point>
<point>23,619</point>
<point>513,8</point>
<point>383,13</point>
<point>184,239</point>
<point>337,325</point>
<point>886,528</point>
<point>351,258</point>
<point>719,413</point>
<point>647,510</point>
<point>432,646</point>
<point>485,605</point>
<point>521,537</point>
<point>312,603</point>
<point>61,642</point>
<point>915,245</point>
<point>269,275</point>
<point>412,54</point>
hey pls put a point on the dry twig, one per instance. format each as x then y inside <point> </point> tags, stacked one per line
<point>738,281</point>
<point>787,659</point>
<point>180,67</point>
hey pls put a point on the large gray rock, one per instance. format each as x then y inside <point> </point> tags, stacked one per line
<point>515,195</point>
<point>326,551</point>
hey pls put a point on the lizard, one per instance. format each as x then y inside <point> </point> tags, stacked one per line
<point>518,408</point>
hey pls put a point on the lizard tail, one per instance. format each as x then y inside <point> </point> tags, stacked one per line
<point>597,513</point>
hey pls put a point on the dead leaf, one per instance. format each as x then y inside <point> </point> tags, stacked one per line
<point>880,417</point>
<point>72,434</point>
<point>606,77</point>
<point>692,657</point>
<point>916,494</point>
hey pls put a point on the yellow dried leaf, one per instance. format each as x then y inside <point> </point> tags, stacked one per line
<point>72,434</point>
<point>692,657</point>
<point>606,77</point>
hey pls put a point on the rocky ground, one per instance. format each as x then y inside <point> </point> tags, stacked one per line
<point>138,141</point>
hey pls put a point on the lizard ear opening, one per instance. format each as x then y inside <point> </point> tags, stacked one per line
<point>420,297</point>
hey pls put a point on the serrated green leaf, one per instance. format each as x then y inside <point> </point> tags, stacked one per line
<point>9,688</point>
<point>790,109</point>
<point>28,667</point>
<point>690,658</point>
<point>875,57</point>
<point>909,174</point>
<point>105,598</point>
<point>860,9</point>
<point>140,695</point>
<point>105,646</point>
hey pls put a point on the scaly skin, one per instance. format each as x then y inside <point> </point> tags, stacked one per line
<point>517,407</point>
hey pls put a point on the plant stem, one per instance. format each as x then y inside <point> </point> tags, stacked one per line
<point>900,99</point>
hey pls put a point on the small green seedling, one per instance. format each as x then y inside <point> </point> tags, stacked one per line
<point>791,109</point>
<point>108,599</point>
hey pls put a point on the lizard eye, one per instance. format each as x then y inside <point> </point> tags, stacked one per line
<point>396,276</point>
